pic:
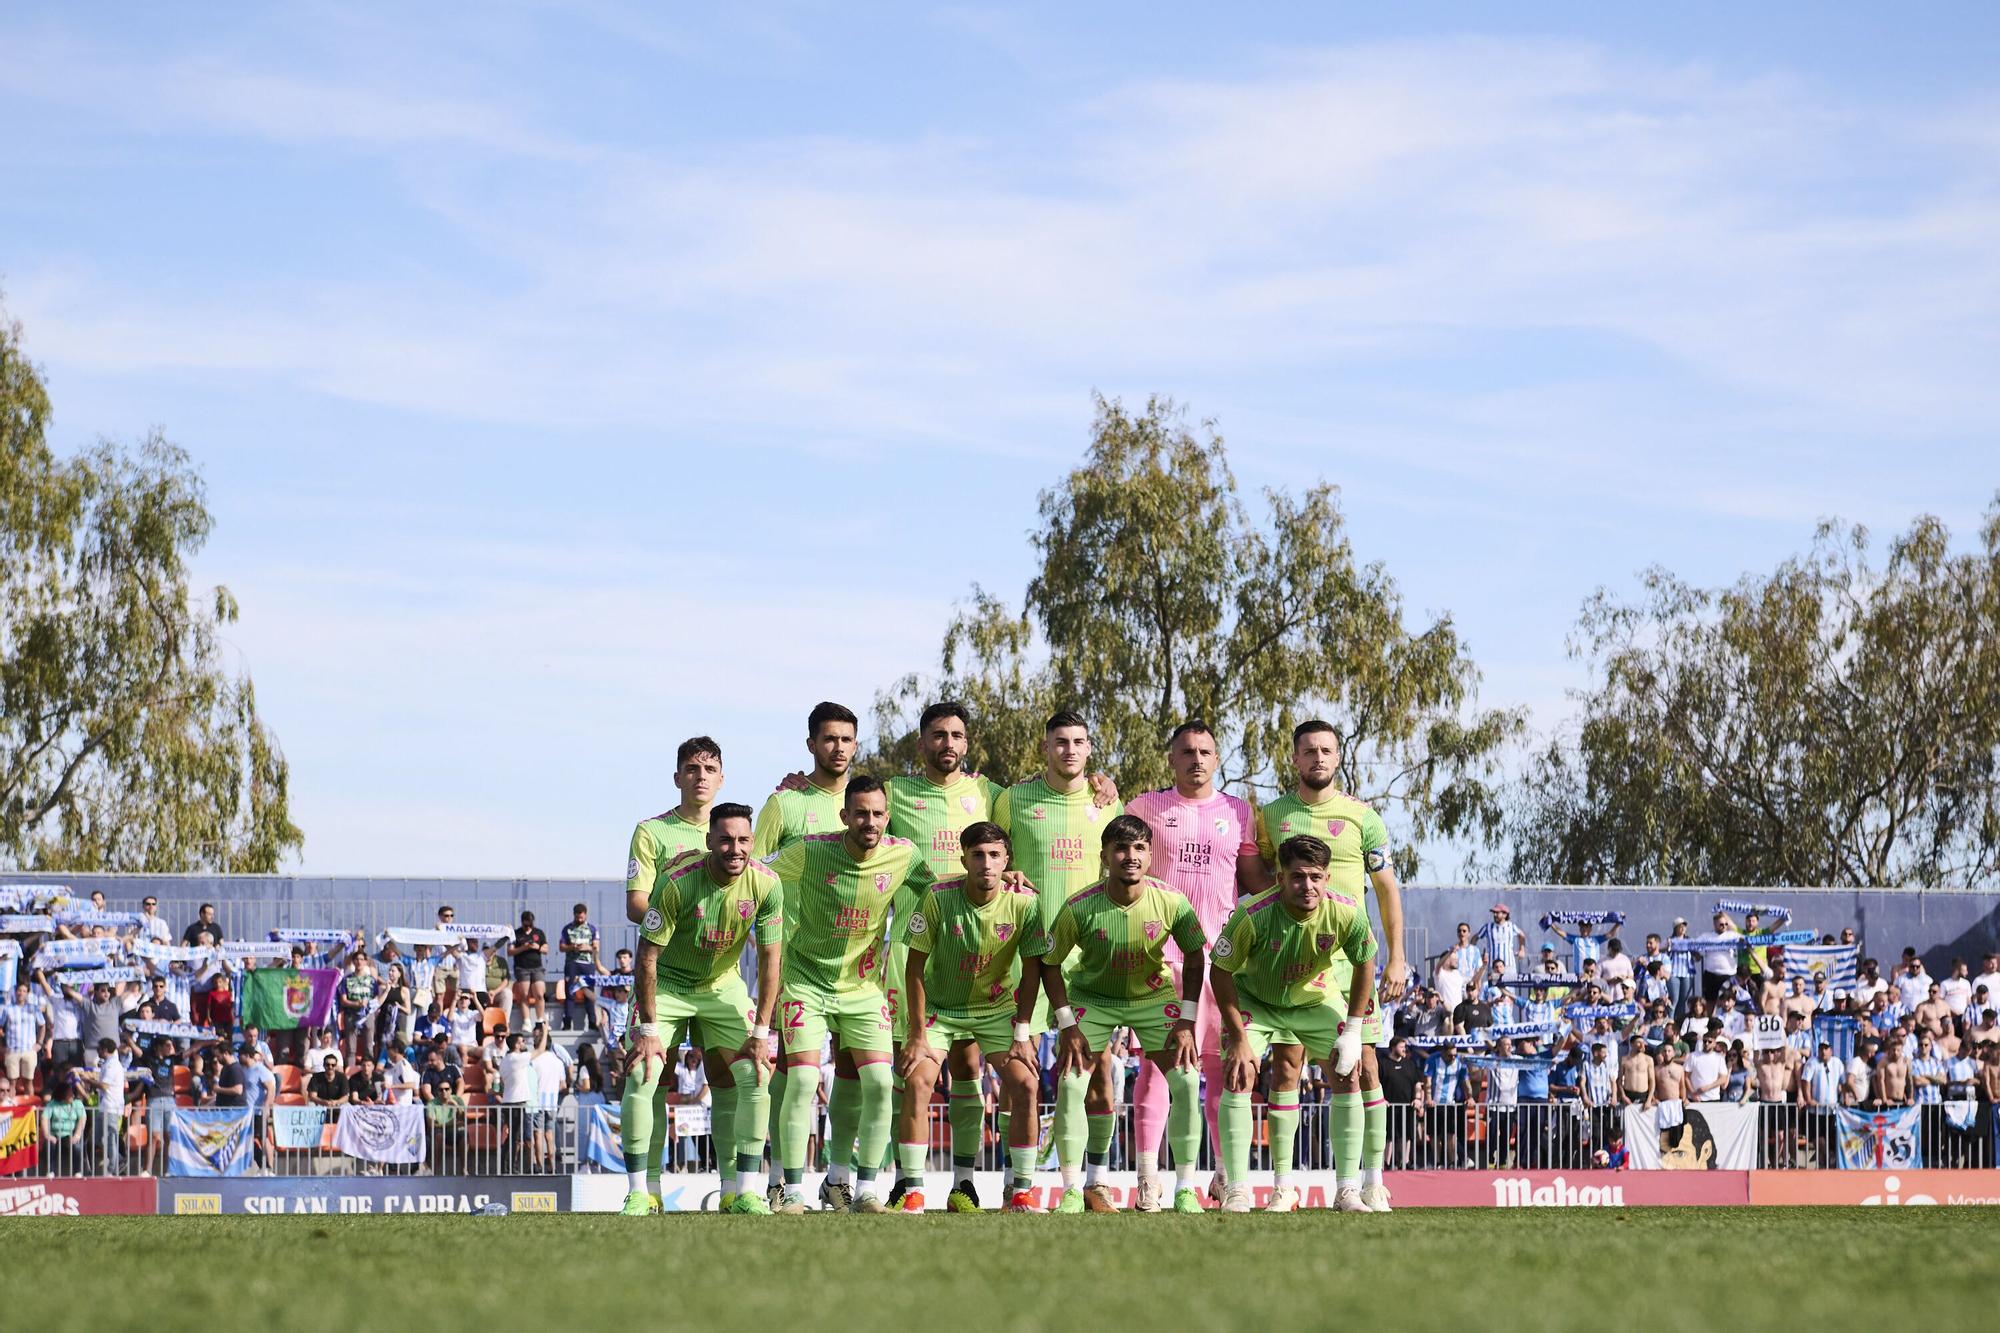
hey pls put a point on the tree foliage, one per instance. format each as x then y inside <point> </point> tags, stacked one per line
<point>1830,724</point>
<point>125,742</point>
<point>1158,599</point>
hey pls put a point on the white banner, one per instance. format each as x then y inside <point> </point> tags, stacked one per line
<point>381,1133</point>
<point>690,1121</point>
<point>1704,1136</point>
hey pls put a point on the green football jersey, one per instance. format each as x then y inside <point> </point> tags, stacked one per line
<point>1350,829</point>
<point>837,908</point>
<point>701,925</point>
<point>974,963</point>
<point>1058,838</point>
<point>1281,959</point>
<point>932,817</point>
<point>1120,951</point>
<point>656,842</point>
<point>791,815</point>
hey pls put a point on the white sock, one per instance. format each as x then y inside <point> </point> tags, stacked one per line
<point>1069,1177</point>
<point>1345,1183</point>
<point>961,1175</point>
<point>652,1184</point>
<point>1092,1173</point>
<point>1149,1163</point>
<point>836,1174</point>
<point>749,1182</point>
<point>1184,1175</point>
<point>1371,1176</point>
<point>638,1179</point>
<point>1282,1178</point>
<point>864,1184</point>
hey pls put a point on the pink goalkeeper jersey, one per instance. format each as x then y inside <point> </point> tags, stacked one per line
<point>1195,846</point>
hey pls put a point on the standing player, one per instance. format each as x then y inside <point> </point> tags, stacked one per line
<point>657,843</point>
<point>702,910</point>
<point>838,890</point>
<point>1204,845</point>
<point>1273,970</point>
<point>1118,930</point>
<point>796,809</point>
<point>1359,844</point>
<point>1054,820</point>
<point>959,987</point>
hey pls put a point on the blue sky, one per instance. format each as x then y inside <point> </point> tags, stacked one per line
<point>569,379</point>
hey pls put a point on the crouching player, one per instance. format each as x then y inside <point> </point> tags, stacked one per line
<point>1117,930</point>
<point>698,917</point>
<point>959,986</point>
<point>1272,981</point>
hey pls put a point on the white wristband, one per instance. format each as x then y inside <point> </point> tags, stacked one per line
<point>1024,1032</point>
<point>760,1033</point>
<point>1065,1017</point>
<point>646,1029</point>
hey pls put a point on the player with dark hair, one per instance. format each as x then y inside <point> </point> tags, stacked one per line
<point>795,810</point>
<point>1272,979</point>
<point>697,920</point>
<point>1359,844</point>
<point>1114,936</point>
<point>838,889</point>
<point>664,837</point>
<point>959,988</point>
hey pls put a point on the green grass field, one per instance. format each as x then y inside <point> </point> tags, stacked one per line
<point>1655,1268</point>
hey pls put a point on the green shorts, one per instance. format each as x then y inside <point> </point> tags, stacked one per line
<point>1371,1022</point>
<point>716,1019</point>
<point>994,1032</point>
<point>1150,1017</point>
<point>1313,1026</point>
<point>858,1020</point>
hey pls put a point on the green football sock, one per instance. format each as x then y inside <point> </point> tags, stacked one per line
<point>843,1113</point>
<point>968,1119</point>
<point>1102,1128</point>
<point>1236,1135</point>
<point>801,1090</point>
<point>753,1116</point>
<point>656,1140</point>
<point>1002,1119</point>
<point>1284,1124</point>
<point>721,1122</point>
<point>895,1118</point>
<point>635,1118</point>
<point>1375,1134</point>
<point>777,1119</point>
<point>1070,1127</point>
<point>1347,1137</point>
<point>1021,1162</point>
<point>1184,1116</point>
<point>873,1132</point>
<point>910,1161</point>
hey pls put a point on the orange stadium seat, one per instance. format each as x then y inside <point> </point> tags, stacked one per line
<point>183,1078</point>
<point>289,1078</point>
<point>493,1017</point>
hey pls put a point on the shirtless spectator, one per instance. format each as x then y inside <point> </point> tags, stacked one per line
<point>1771,990</point>
<point>1772,1070</point>
<point>1798,1000</point>
<point>1635,1075</point>
<point>1669,1088</point>
<point>1933,1015</point>
<point>1984,1024</point>
<point>1892,1078</point>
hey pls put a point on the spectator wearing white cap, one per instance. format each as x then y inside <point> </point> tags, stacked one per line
<point>1504,942</point>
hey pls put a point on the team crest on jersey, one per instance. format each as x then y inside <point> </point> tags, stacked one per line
<point>1221,824</point>
<point>1323,942</point>
<point>743,909</point>
<point>1334,826</point>
<point>1152,930</point>
<point>1090,813</point>
<point>969,804</point>
<point>881,884</point>
<point>1002,929</point>
<point>958,929</point>
<point>1101,935</point>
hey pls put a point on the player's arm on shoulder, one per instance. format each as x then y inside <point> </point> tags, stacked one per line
<point>769,830</point>
<point>1103,791</point>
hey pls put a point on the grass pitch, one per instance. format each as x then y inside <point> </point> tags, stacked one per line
<point>1805,1268</point>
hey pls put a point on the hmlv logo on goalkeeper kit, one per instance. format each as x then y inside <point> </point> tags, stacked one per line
<point>1520,1192</point>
